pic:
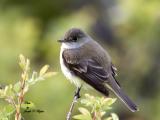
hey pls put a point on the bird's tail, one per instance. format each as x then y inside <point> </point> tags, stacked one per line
<point>121,95</point>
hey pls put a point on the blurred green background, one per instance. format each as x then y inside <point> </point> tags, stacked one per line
<point>129,30</point>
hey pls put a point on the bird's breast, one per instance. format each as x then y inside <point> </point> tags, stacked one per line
<point>68,74</point>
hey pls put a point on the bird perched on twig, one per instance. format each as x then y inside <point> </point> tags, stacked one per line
<point>84,61</point>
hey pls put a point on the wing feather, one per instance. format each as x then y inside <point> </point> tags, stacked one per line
<point>89,71</point>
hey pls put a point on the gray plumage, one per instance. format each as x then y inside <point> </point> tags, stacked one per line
<point>86,59</point>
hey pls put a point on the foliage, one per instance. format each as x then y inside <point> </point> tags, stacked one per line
<point>98,108</point>
<point>14,94</point>
<point>24,28</point>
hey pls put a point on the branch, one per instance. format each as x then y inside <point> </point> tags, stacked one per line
<point>76,97</point>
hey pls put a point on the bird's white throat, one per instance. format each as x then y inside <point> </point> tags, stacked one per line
<point>70,76</point>
<point>64,69</point>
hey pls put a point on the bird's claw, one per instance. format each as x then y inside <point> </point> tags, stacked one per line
<point>77,93</point>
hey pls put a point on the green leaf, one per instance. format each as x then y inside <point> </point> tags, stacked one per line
<point>27,65</point>
<point>43,70</point>
<point>9,110</point>
<point>16,87</point>
<point>111,101</point>
<point>22,61</point>
<point>33,79</point>
<point>84,111</point>
<point>7,91</point>
<point>34,76</point>
<point>6,112</point>
<point>49,74</point>
<point>108,102</point>
<point>82,117</point>
<point>88,102</point>
<point>102,113</point>
<point>114,116</point>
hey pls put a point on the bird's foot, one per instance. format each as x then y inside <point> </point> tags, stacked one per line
<point>77,93</point>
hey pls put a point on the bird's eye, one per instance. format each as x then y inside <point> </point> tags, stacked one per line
<point>74,39</point>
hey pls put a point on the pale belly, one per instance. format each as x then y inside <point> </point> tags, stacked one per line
<point>70,76</point>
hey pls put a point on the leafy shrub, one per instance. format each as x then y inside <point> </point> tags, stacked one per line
<point>97,108</point>
<point>14,94</point>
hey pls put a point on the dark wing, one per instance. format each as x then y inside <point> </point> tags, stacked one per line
<point>89,71</point>
<point>114,73</point>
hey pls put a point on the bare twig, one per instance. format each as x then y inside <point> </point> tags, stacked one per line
<point>76,97</point>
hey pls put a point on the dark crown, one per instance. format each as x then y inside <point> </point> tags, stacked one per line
<point>74,33</point>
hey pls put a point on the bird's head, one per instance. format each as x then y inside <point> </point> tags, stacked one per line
<point>74,37</point>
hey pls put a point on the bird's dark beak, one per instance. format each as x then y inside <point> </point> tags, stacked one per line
<point>61,41</point>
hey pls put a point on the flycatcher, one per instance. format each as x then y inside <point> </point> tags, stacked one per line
<point>84,61</point>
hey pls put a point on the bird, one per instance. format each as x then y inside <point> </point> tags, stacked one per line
<point>85,62</point>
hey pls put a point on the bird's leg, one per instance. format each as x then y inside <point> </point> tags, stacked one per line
<point>76,97</point>
<point>77,93</point>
